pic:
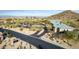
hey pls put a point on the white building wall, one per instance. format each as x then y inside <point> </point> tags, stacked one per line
<point>63,30</point>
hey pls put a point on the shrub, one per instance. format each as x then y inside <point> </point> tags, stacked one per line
<point>21,29</point>
<point>0,41</point>
<point>71,35</point>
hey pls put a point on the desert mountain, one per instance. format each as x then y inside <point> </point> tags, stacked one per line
<point>68,14</point>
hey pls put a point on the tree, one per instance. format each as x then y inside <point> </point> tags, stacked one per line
<point>50,27</point>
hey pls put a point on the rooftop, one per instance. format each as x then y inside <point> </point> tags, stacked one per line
<point>59,24</point>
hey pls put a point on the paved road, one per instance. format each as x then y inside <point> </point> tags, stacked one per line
<point>33,40</point>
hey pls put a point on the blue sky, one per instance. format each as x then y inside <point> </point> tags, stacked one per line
<point>29,12</point>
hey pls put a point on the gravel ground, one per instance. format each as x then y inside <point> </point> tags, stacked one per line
<point>15,43</point>
<point>45,38</point>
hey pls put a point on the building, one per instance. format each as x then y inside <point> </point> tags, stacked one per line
<point>59,26</point>
<point>25,25</point>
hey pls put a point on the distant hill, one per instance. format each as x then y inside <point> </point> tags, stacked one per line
<point>22,17</point>
<point>65,15</point>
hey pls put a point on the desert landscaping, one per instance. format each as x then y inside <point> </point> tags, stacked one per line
<point>59,31</point>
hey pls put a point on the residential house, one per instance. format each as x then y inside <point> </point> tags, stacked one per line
<point>25,25</point>
<point>59,26</point>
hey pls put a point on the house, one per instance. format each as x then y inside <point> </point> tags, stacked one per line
<point>59,26</point>
<point>24,25</point>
